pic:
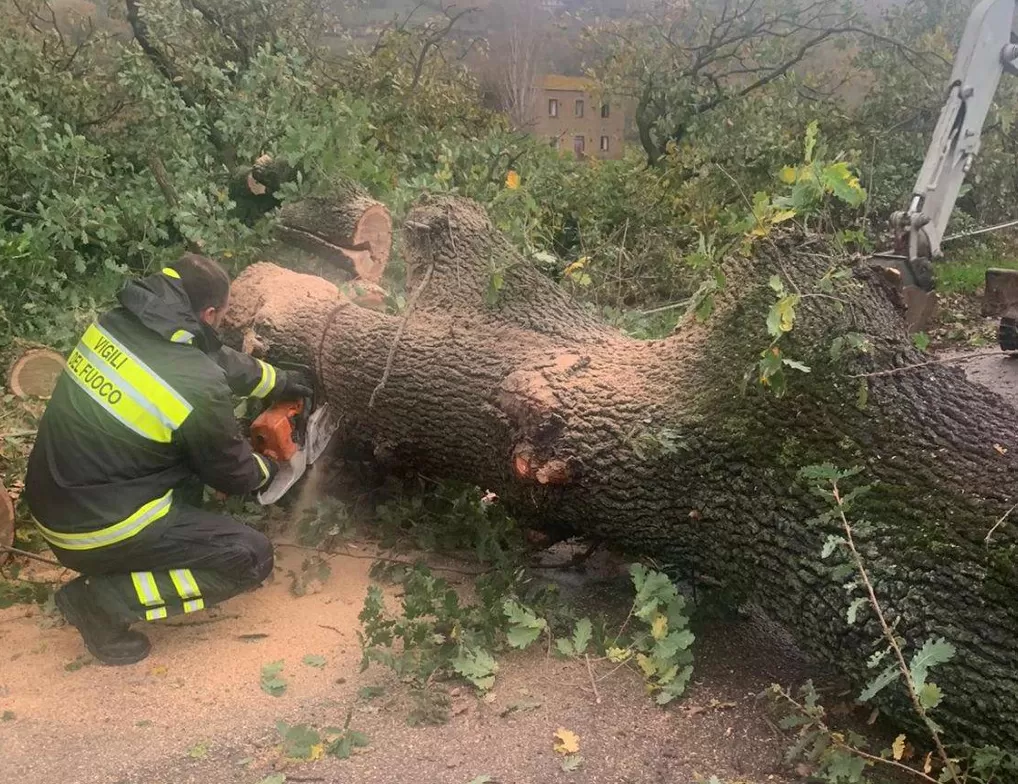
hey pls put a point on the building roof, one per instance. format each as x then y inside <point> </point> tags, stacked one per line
<point>572,83</point>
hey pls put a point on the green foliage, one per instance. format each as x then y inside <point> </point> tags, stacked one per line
<point>660,648</point>
<point>450,518</point>
<point>323,524</point>
<point>343,745</point>
<point>314,569</point>
<point>524,627</point>
<point>815,181</point>
<point>433,634</point>
<point>477,666</point>
<point>299,741</point>
<point>663,652</point>
<point>304,743</point>
<point>15,591</point>
<point>271,683</point>
<point>579,642</point>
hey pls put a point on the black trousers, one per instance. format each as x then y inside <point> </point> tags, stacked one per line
<point>186,562</point>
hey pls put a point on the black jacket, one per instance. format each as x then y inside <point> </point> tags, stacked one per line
<point>143,408</point>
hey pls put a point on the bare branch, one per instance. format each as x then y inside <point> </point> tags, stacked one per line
<point>433,37</point>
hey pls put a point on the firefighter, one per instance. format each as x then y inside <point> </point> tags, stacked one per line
<point>139,423</point>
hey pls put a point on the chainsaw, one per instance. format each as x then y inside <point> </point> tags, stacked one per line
<point>294,433</point>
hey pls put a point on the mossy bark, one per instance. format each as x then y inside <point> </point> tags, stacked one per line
<point>655,446</point>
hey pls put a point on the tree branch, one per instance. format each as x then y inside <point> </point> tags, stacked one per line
<point>143,35</point>
<point>433,40</point>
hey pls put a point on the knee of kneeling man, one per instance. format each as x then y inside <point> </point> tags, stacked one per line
<point>263,559</point>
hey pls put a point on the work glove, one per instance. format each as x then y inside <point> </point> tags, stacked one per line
<point>291,385</point>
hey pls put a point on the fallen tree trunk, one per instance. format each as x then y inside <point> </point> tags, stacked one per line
<point>653,446</point>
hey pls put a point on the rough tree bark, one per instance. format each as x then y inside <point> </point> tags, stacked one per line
<point>652,444</point>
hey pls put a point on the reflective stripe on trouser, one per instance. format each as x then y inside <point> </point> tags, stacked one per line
<point>194,561</point>
<point>148,595</point>
<point>187,589</point>
<point>112,534</point>
<point>160,594</point>
<point>179,591</point>
<point>125,387</point>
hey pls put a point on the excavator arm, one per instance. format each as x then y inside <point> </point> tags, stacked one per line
<point>988,50</point>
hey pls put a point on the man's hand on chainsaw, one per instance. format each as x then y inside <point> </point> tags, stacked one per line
<point>291,385</point>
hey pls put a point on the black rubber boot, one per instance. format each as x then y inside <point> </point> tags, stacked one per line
<point>109,640</point>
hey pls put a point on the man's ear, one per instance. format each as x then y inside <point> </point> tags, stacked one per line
<point>208,316</point>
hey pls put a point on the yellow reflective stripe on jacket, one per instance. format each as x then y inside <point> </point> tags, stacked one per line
<point>118,532</point>
<point>268,380</point>
<point>171,273</point>
<point>125,387</point>
<point>182,336</point>
<point>135,372</point>
<point>263,467</point>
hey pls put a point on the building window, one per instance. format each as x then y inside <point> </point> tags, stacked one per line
<point>606,111</point>
<point>605,143</point>
<point>579,107</point>
<point>579,145</point>
<point>553,107</point>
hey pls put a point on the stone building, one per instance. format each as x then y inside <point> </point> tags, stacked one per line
<point>572,116</point>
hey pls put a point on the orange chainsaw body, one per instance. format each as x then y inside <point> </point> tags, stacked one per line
<point>272,433</point>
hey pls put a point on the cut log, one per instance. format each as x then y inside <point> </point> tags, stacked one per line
<point>653,446</point>
<point>34,373</point>
<point>345,225</point>
<point>6,522</point>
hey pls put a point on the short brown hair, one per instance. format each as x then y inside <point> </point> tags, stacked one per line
<point>205,281</point>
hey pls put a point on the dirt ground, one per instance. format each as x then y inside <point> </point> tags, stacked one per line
<point>194,710</point>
